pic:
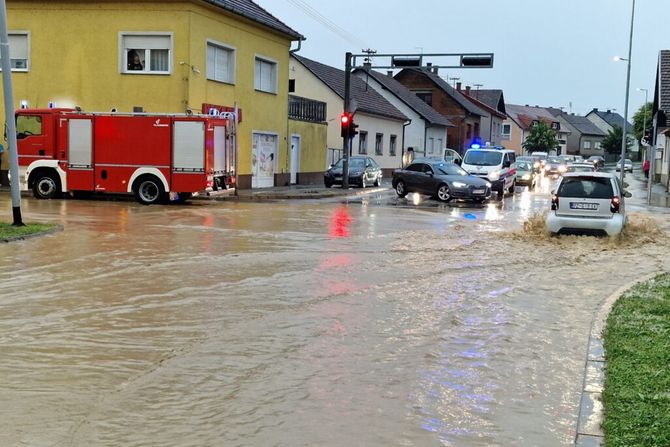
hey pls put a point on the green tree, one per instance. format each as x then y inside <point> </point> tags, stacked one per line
<point>612,142</point>
<point>639,121</point>
<point>542,138</point>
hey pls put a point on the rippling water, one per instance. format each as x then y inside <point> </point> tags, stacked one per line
<point>297,325</point>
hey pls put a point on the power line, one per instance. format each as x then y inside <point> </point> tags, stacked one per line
<point>332,26</point>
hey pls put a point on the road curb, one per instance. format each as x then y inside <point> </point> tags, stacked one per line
<point>56,229</point>
<point>589,431</point>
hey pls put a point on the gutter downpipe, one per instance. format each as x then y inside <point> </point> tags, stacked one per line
<point>402,155</point>
<point>289,141</point>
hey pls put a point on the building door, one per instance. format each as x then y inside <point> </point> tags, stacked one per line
<point>295,158</point>
<point>263,159</point>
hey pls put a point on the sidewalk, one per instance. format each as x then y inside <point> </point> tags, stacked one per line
<point>289,192</point>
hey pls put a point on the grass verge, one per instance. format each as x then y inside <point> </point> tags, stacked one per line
<point>636,397</point>
<point>9,232</point>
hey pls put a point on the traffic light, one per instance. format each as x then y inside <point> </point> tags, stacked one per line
<point>352,129</point>
<point>345,124</point>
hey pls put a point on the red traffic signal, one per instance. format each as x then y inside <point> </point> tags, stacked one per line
<point>345,124</point>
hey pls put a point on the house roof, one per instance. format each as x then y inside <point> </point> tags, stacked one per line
<point>583,125</point>
<point>250,10</point>
<point>408,97</point>
<point>481,105</point>
<point>529,114</point>
<point>492,98</point>
<point>368,99</point>
<point>662,89</point>
<point>611,118</point>
<point>449,90</point>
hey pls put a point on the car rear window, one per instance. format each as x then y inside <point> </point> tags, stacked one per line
<point>586,187</point>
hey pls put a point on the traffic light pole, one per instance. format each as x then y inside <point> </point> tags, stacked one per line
<point>399,61</point>
<point>346,140</point>
<point>9,116</point>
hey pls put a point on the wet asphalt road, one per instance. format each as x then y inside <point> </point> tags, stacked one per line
<point>377,321</point>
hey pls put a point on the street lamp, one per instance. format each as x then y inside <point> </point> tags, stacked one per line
<point>624,132</point>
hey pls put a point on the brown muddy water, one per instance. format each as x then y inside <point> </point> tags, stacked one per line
<point>302,325</point>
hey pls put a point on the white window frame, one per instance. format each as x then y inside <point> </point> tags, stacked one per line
<point>27,58</point>
<point>123,54</point>
<point>275,63</point>
<point>597,145</point>
<point>587,144</point>
<point>232,69</point>
<point>509,130</point>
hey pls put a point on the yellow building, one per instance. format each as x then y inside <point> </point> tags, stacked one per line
<point>166,56</point>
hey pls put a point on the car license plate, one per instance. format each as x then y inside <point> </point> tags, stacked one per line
<point>478,191</point>
<point>338,177</point>
<point>583,206</point>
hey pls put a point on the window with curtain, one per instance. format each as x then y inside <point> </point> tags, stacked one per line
<point>379,148</point>
<point>18,51</point>
<point>220,63</point>
<point>265,75</point>
<point>144,53</point>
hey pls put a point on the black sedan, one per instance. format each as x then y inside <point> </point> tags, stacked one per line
<point>445,181</point>
<point>363,171</point>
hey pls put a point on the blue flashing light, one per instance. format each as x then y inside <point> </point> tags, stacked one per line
<point>475,146</point>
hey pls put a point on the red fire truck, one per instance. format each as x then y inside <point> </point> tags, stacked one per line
<point>155,157</point>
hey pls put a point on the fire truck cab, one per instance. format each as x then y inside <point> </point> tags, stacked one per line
<point>155,157</point>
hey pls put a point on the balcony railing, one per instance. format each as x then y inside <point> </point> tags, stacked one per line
<point>305,109</point>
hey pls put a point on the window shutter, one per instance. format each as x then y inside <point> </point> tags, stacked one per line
<point>146,42</point>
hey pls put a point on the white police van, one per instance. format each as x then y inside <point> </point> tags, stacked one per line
<point>493,164</point>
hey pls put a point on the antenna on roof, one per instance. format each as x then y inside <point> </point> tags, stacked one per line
<point>478,85</point>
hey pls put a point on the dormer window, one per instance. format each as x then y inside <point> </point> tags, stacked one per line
<point>556,125</point>
<point>534,123</point>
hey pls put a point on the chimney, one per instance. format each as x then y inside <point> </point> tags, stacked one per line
<point>609,111</point>
<point>467,90</point>
<point>429,65</point>
<point>458,86</point>
<point>390,75</point>
<point>435,70</point>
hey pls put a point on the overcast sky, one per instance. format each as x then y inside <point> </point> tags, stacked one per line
<point>547,52</point>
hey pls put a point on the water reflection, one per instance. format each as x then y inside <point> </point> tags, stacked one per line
<point>340,220</point>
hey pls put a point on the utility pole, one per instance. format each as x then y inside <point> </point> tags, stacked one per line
<point>9,116</point>
<point>624,136</point>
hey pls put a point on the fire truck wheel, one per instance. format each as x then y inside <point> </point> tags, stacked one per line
<point>46,185</point>
<point>149,190</point>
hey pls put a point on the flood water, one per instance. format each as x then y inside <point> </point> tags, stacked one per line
<point>301,324</point>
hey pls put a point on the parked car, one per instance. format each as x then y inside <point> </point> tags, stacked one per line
<point>581,167</point>
<point>363,171</point>
<point>597,160</point>
<point>445,181</point>
<point>525,173</point>
<point>588,202</point>
<point>555,166</point>
<point>627,165</point>
<point>567,158</point>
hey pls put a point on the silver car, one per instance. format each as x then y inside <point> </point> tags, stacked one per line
<point>627,165</point>
<point>588,203</point>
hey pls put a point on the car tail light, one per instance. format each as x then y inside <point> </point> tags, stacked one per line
<point>554,202</point>
<point>614,204</point>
